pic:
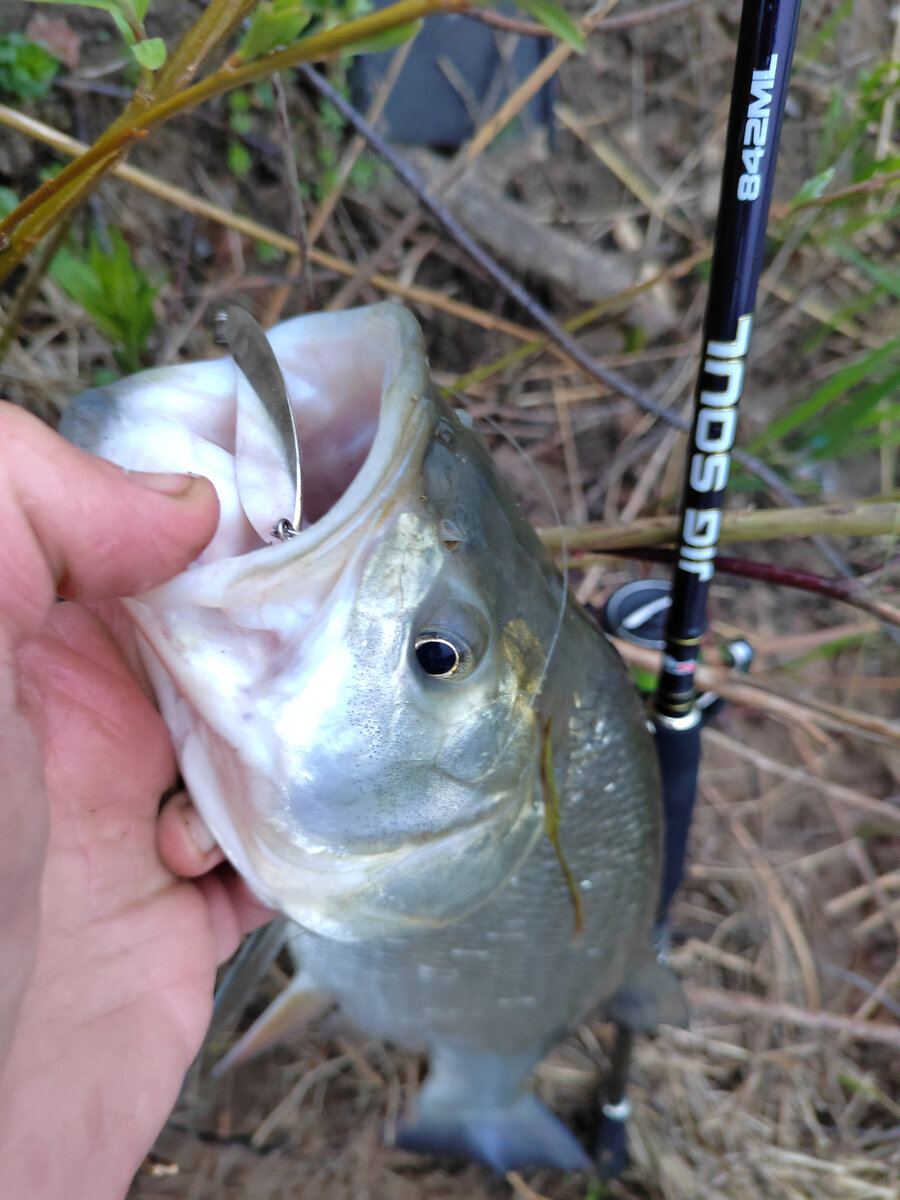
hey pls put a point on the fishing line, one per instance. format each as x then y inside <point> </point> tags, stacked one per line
<point>564,571</point>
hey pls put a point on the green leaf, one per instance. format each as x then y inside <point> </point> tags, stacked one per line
<point>27,68</point>
<point>860,412</point>
<point>273,23</point>
<point>110,6</point>
<point>883,276</point>
<point>862,445</point>
<point>122,7</point>
<point>814,187</point>
<point>385,41</point>
<point>238,159</point>
<point>114,292</point>
<point>838,385</point>
<point>127,14</point>
<point>555,19</point>
<point>151,53</point>
<point>241,122</point>
<point>8,201</point>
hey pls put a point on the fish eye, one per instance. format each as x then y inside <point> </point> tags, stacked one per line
<point>450,638</point>
<point>439,655</point>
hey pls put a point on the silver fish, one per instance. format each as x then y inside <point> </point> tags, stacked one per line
<point>383,718</point>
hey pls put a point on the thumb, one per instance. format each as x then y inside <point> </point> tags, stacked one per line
<point>80,527</point>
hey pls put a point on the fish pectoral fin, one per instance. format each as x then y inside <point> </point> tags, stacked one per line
<point>297,1006</point>
<point>649,997</point>
<point>520,1135</point>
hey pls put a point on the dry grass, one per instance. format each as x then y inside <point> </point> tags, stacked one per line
<point>787,928</point>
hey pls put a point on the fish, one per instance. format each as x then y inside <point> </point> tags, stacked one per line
<point>403,731</point>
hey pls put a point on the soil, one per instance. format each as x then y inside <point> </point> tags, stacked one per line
<point>786,929</point>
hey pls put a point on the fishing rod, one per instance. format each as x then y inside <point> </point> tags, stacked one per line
<point>768,31</point>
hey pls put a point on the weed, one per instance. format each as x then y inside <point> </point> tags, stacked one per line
<point>114,292</point>
<point>27,68</point>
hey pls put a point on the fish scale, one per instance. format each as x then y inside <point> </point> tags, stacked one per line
<point>418,990</point>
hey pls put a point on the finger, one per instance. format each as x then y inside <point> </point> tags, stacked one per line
<point>78,526</point>
<point>233,911</point>
<point>184,840</point>
<point>107,757</point>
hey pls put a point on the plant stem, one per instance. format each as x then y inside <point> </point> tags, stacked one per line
<point>859,519</point>
<point>212,27</point>
<point>51,188</point>
<point>845,590</point>
<point>20,231</point>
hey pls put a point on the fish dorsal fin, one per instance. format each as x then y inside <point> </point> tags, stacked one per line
<point>649,996</point>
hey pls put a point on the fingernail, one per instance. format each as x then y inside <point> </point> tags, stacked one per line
<point>169,484</point>
<point>197,828</point>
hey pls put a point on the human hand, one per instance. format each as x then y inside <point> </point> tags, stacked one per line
<point>107,959</point>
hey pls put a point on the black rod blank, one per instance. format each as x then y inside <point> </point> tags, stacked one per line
<point>765,48</point>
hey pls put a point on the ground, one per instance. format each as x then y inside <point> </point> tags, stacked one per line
<point>786,929</point>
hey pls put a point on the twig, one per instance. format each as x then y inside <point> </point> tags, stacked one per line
<point>356,147</point>
<point>510,107</point>
<point>326,206</point>
<point>19,232</point>
<point>837,791</point>
<point>570,456</point>
<point>614,162</point>
<point>286,1107</point>
<point>299,264</point>
<point>765,878</point>
<point>92,157</point>
<point>859,519</point>
<point>797,645</point>
<point>861,894</point>
<point>845,590</point>
<point>253,229</point>
<point>741,1004</point>
<point>867,188</point>
<point>601,308</point>
<point>217,21</point>
<point>521,1188</point>
<point>741,690</point>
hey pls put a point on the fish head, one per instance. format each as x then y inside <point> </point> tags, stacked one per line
<point>354,710</point>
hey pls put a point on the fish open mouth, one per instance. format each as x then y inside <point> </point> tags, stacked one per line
<point>352,380</point>
<point>225,641</point>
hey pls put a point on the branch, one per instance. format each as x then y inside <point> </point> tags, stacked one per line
<point>212,27</point>
<point>192,203</point>
<point>744,689</point>
<point>19,232</point>
<point>858,519</point>
<point>848,591</point>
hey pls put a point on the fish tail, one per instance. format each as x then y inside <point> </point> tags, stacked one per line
<point>522,1135</point>
<point>471,1105</point>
